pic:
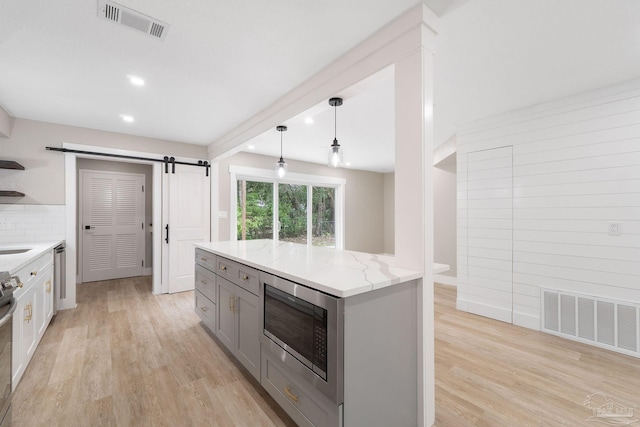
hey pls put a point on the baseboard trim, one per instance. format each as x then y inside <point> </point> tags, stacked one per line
<point>445,280</point>
<point>526,321</point>
<point>485,310</point>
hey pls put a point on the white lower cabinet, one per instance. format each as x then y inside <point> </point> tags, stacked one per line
<point>44,301</point>
<point>34,310</point>
<point>237,324</point>
<point>25,334</point>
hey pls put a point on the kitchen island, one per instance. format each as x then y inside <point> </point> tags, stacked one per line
<point>363,312</point>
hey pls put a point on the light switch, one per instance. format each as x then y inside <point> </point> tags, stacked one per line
<point>615,228</point>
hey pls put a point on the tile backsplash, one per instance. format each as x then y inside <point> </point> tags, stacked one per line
<point>31,223</point>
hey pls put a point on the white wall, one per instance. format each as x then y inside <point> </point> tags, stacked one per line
<point>576,168</point>
<point>444,217</point>
<point>27,146</point>
<point>6,124</point>
<point>389,213</point>
<point>364,198</point>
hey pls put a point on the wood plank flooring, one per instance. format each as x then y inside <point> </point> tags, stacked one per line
<point>127,358</point>
<point>489,373</point>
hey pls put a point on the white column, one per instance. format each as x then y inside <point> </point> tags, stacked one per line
<point>414,199</point>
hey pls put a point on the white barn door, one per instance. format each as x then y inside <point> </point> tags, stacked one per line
<point>112,225</point>
<point>188,222</point>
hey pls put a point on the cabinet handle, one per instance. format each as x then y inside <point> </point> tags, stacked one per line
<point>34,273</point>
<point>223,267</point>
<point>204,308</point>
<point>232,303</point>
<point>48,286</point>
<point>204,282</point>
<point>27,309</point>
<point>290,395</point>
<point>20,284</point>
<point>245,277</point>
<point>204,259</point>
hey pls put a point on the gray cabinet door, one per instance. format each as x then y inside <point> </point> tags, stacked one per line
<point>247,344</point>
<point>225,324</point>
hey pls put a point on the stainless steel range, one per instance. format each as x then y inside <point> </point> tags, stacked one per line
<point>7,307</point>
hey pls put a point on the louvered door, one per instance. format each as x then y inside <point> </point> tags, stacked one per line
<point>112,224</point>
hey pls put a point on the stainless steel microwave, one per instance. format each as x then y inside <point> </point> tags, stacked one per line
<point>303,327</point>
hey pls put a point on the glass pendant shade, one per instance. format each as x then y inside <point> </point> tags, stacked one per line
<point>336,155</point>
<point>281,168</point>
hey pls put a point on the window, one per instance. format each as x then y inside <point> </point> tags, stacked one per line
<point>255,210</point>
<point>303,209</point>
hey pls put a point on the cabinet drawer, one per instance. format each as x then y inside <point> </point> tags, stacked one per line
<point>206,311</point>
<point>33,271</point>
<point>206,259</point>
<point>242,275</point>
<point>206,282</point>
<point>301,405</point>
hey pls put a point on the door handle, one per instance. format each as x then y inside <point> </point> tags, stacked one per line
<point>166,239</point>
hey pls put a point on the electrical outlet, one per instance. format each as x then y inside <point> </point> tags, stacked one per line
<point>4,225</point>
<point>222,214</point>
<point>615,228</point>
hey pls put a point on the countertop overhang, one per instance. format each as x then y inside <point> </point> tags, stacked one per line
<point>14,262</point>
<point>337,272</point>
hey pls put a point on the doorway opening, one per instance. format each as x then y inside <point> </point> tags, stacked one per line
<point>114,219</point>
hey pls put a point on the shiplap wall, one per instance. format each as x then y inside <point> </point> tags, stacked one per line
<point>576,169</point>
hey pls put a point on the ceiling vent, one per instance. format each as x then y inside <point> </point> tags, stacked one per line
<point>130,18</point>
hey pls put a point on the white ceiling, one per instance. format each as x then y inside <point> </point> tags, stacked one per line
<point>222,62</point>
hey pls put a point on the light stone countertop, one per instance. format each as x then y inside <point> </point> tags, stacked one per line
<point>14,262</point>
<point>340,273</point>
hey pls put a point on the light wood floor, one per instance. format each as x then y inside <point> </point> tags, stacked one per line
<point>127,358</point>
<point>490,373</point>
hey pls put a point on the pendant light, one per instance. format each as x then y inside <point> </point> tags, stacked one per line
<point>335,153</point>
<point>281,165</point>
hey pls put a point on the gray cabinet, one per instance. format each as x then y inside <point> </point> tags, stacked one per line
<point>228,302</point>
<point>238,324</point>
<point>205,289</point>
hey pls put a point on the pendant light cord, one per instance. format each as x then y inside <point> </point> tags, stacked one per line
<point>335,121</point>
<point>281,144</point>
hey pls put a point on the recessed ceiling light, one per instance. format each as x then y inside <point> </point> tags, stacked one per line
<point>135,80</point>
<point>309,120</point>
<point>127,118</point>
<point>251,147</point>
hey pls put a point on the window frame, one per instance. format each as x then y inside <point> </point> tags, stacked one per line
<point>265,175</point>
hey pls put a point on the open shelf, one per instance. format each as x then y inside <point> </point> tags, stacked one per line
<point>10,164</point>
<point>11,194</point>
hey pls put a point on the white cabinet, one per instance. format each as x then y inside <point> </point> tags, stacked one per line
<point>238,324</point>
<point>44,301</point>
<point>34,310</point>
<point>25,335</point>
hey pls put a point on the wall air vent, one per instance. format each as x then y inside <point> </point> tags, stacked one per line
<point>130,18</point>
<point>601,322</point>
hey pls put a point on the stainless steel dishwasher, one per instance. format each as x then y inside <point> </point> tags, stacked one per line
<point>59,276</point>
<point>7,307</point>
